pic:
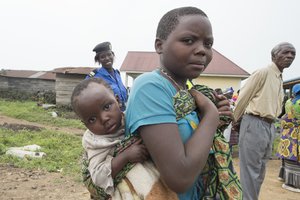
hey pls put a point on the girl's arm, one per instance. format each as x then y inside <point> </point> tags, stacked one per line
<point>180,164</point>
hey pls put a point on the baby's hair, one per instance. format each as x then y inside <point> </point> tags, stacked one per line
<point>171,19</point>
<point>82,86</point>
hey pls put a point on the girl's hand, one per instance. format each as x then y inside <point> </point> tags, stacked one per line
<point>203,103</point>
<point>223,105</point>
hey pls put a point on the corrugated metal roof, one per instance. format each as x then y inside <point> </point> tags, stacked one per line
<point>292,80</point>
<point>74,70</point>
<point>49,75</point>
<point>139,62</point>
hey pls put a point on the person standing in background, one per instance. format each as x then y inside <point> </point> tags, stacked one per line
<point>283,111</point>
<point>105,57</point>
<point>259,103</point>
<point>288,147</point>
<point>228,93</point>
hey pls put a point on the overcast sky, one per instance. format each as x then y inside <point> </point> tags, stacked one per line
<point>47,34</point>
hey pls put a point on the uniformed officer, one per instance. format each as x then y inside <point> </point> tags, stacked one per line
<point>105,57</point>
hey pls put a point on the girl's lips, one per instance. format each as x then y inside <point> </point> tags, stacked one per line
<point>198,66</point>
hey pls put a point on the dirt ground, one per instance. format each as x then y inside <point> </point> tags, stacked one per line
<point>16,183</point>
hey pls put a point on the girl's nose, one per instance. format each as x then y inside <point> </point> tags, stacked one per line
<point>200,49</point>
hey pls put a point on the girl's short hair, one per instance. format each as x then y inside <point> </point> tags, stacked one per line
<point>171,19</point>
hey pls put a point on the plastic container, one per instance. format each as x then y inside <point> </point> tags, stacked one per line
<point>23,153</point>
<point>26,151</point>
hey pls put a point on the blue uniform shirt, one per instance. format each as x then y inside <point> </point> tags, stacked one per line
<point>114,82</point>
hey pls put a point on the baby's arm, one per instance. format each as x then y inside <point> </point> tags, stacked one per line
<point>137,152</point>
<point>104,168</point>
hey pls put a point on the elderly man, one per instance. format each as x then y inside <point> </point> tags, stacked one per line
<point>259,103</point>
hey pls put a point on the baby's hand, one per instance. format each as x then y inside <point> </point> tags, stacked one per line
<point>137,152</point>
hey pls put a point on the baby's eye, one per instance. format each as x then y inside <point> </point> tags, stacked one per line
<point>188,41</point>
<point>107,106</point>
<point>91,120</point>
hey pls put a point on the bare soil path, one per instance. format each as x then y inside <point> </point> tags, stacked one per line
<point>15,122</point>
<point>16,183</point>
<point>271,188</point>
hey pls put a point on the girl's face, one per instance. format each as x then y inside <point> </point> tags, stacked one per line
<point>99,110</point>
<point>106,59</point>
<point>188,49</point>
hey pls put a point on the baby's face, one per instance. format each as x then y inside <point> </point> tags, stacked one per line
<point>99,109</point>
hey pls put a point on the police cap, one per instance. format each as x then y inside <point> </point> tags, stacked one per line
<point>104,46</point>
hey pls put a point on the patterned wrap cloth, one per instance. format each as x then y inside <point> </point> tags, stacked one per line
<point>288,147</point>
<point>219,178</point>
<point>289,144</point>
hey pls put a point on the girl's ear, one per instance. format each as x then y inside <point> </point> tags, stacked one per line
<point>158,45</point>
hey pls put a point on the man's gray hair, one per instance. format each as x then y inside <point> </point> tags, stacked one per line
<point>279,46</point>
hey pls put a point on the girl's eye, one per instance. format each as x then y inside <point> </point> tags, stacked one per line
<point>91,120</point>
<point>208,45</point>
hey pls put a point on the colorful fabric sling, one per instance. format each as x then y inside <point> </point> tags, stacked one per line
<point>220,179</point>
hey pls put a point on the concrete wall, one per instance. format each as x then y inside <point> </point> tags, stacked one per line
<point>29,85</point>
<point>210,81</point>
<point>65,83</point>
<point>219,82</point>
